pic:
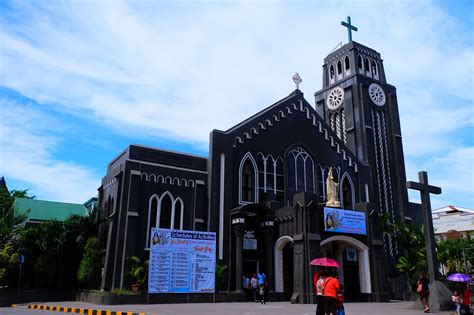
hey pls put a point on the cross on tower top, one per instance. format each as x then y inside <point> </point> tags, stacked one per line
<point>350,28</point>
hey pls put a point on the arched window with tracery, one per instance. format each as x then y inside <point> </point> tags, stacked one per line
<point>300,171</point>
<point>164,212</point>
<point>279,180</point>
<point>248,179</point>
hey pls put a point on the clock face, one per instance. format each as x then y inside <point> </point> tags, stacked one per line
<point>377,94</point>
<point>335,98</point>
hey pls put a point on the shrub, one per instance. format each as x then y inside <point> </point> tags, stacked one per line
<point>89,273</point>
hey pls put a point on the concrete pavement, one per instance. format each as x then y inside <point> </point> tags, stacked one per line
<point>248,308</point>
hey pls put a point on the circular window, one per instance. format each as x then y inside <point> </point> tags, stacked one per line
<point>335,99</point>
<point>377,94</point>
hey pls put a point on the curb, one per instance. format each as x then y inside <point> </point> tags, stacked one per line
<point>77,310</point>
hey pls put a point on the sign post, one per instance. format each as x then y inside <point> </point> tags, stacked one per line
<point>182,261</point>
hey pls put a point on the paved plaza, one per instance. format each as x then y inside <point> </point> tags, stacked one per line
<point>281,308</point>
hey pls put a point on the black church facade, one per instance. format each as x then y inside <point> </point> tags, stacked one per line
<point>262,188</point>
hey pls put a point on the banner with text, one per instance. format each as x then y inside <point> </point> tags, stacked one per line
<point>344,221</point>
<point>182,261</point>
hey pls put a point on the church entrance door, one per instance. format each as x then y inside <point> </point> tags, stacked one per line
<point>353,257</point>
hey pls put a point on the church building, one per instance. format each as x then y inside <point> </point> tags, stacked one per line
<point>262,188</point>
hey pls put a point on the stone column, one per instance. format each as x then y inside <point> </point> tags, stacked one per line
<point>268,229</point>
<point>238,226</point>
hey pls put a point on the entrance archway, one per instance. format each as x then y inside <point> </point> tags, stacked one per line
<point>363,254</point>
<point>278,249</point>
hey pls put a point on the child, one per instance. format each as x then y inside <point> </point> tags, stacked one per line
<point>262,294</point>
<point>456,298</point>
<point>340,301</point>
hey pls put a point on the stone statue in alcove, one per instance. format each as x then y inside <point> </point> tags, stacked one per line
<point>331,191</point>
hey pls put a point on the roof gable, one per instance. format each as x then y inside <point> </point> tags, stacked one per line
<point>284,109</point>
<point>42,210</point>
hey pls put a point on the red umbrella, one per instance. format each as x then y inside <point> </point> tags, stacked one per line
<point>328,262</point>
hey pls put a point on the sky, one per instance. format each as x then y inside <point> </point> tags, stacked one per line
<point>81,80</point>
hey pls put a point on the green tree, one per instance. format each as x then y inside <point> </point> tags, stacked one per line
<point>10,228</point>
<point>410,237</point>
<point>89,273</point>
<point>457,255</point>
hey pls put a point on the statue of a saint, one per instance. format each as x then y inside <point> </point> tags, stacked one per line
<point>331,191</point>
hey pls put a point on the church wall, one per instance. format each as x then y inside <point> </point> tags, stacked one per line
<point>292,129</point>
<point>137,181</point>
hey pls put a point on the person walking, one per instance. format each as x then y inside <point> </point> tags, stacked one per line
<point>320,293</point>
<point>331,288</point>
<point>457,300</point>
<point>466,300</point>
<point>246,286</point>
<point>262,294</point>
<point>254,285</point>
<point>424,291</point>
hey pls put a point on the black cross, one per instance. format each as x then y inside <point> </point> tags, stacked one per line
<point>350,28</point>
<point>425,191</point>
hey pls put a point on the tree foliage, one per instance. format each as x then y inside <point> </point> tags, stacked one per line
<point>457,255</point>
<point>89,273</point>
<point>411,238</point>
<point>10,227</point>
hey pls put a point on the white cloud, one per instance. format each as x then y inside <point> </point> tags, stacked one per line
<point>28,138</point>
<point>181,69</point>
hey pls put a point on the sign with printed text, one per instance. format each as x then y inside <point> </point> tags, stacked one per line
<point>344,221</point>
<point>182,261</point>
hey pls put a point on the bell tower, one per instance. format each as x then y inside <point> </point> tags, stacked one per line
<point>361,108</point>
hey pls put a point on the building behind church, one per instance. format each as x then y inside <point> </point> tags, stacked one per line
<point>262,188</point>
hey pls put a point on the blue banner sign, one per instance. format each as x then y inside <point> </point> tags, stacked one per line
<point>182,261</point>
<point>344,221</point>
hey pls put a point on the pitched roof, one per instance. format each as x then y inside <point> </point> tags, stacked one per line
<point>42,210</point>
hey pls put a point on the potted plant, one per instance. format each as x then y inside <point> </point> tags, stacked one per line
<point>137,274</point>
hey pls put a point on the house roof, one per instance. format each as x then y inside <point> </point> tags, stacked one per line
<point>42,210</point>
<point>453,209</point>
<point>450,218</point>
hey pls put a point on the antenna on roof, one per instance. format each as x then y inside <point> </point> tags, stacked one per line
<point>337,46</point>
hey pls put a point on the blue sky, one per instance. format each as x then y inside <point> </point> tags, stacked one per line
<point>80,80</point>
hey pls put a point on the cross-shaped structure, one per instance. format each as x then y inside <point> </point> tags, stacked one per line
<point>297,79</point>
<point>350,28</point>
<point>425,191</point>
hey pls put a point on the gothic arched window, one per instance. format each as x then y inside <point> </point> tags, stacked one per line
<point>178,210</point>
<point>339,67</point>
<point>300,171</point>
<point>347,192</point>
<point>359,62</point>
<point>279,180</point>
<point>366,64</point>
<point>347,65</point>
<point>331,72</point>
<point>374,67</point>
<point>248,180</point>
<point>165,209</point>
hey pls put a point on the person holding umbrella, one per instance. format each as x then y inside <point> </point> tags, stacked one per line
<point>466,293</point>
<point>466,299</point>
<point>328,287</point>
